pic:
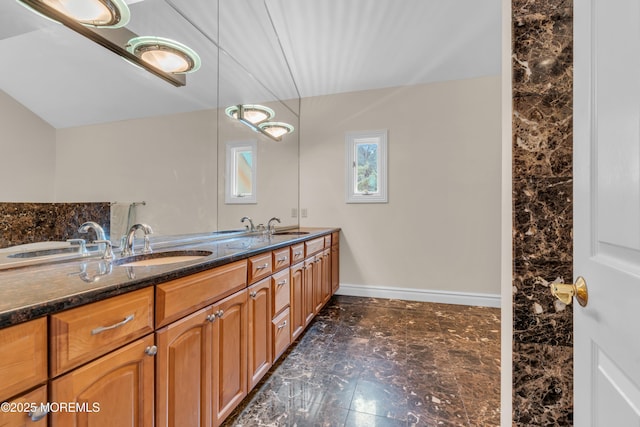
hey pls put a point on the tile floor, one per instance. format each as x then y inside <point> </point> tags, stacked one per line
<point>367,362</point>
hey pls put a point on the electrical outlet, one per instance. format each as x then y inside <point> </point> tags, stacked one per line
<point>294,212</point>
<point>304,212</point>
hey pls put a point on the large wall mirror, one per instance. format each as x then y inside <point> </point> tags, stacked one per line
<point>80,124</point>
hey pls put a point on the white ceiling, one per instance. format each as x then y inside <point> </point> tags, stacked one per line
<point>330,46</point>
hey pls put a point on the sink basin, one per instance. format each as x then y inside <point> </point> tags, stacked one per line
<point>161,258</point>
<point>292,233</point>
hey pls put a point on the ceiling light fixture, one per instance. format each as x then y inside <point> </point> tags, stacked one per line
<point>90,13</point>
<point>167,55</point>
<point>257,117</point>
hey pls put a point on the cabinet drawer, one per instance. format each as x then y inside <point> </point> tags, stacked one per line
<point>260,266</point>
<point>297,253</point>
<point>281,259</point>
<point>281,334</point>
<point>26,418</point>
<point>327,241</point>
<point>23,357</point>
<point>86,332</point>
<point>180,297</point>
<point>280,290</point>
<point>313,246</point>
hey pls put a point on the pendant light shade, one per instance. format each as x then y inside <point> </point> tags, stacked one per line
<point>276,129</point>
<point>252,113</point>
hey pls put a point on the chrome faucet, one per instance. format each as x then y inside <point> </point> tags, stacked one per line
<point>246,218</point>
<point>90,225</point>
<point>127,250</point>
<point>270,227</point>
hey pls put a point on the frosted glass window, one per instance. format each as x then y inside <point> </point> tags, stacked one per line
<point>366,167</point>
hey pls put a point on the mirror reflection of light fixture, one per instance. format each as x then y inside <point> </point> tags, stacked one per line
<point>167,55</point>
<point>251,113</point>
<point>164,58</point>
<point>257,117</point>
<point>91,13</point>
<point>276,129</point>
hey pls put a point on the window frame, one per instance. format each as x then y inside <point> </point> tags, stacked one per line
<point>232,148</point>
<point>352,140</point>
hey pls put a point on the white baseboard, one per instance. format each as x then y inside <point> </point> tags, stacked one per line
<point>411,294</point>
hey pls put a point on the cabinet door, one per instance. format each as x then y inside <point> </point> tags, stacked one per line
<point>229,348</point>
<point>114,390</point>
<point>183,371</point>
<point>317,283</point>
<point>326,276</point>
<point>335,268</point>
<point>307,284</point>
<point>36,418</point>
<point>298,318</point>
<point>260,352</point>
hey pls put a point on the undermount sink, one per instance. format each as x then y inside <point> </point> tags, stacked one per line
<point>293,233</point>
<point>161,258</point>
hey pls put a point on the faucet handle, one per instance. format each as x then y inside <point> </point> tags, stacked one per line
<point>81,243</point>
<point>108,250</point>
<point>147,245</point>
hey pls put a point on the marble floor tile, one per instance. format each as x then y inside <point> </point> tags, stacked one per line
<point>376,362</point>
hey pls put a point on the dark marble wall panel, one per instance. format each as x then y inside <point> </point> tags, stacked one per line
<point>22,223</point>
<point>542,210</point>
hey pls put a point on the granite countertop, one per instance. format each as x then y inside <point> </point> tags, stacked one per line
<point>30,292</point>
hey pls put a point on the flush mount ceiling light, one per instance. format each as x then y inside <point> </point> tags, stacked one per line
<point>167,55</point>
<point>91,13</point>
<point>256,118</point>
<point>254,114</point>
<point>276,129</point>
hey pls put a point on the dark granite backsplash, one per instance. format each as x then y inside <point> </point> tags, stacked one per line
<point>542,210</point>
<point>22,223</point>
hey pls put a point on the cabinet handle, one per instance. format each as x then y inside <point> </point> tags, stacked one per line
<point>262,267</point>
<point>282,282</point>
<point>220,313</point>
<point>253,294</point>
<point>211,318</point>
<point>39,413</point>
<point>282,325</point>
<point>284,258</point>
<point>101,329</point>
<point>297,254</point>
<point>152,350</point>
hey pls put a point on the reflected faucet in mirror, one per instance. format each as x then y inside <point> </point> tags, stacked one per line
<point>270,226</point>
<point>251,227</point>
<point>127,250</point>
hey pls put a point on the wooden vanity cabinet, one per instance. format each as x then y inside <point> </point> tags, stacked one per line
<point>260,350</point>
<point>318,298</point>
<point>184,371</point>
<point>335,262</point>
<point>229,347</point>
<point>297,312</point>
<point>27,418</point>
<point>23,357</point>
<point>308,283</point>
<point>326,276</point>
<point>114,390</point>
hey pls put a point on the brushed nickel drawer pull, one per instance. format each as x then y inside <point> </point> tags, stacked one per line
<point>284,258</point>
<point>262,267</point>
<point>297,254</point>
<point>101,329</point>
<point>220,313</point>
<point>211,318</point>
<point>282,282</point>
<point>253,294</point>
<point>282,325</point>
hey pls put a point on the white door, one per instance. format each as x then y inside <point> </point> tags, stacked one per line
<point>607,211</point>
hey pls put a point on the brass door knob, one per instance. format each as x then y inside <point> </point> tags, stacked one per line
<point>566,292</point>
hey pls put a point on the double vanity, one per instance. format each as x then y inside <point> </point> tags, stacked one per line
<point>178,336</point>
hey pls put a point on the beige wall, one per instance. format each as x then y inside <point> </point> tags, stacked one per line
<point>27,154</point>
<point>440,230</point>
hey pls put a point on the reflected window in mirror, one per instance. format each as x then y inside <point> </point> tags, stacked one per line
<point>241,172</point>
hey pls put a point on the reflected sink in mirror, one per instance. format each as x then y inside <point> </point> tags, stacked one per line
<point>161,258</point>
<point>45,252</point>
